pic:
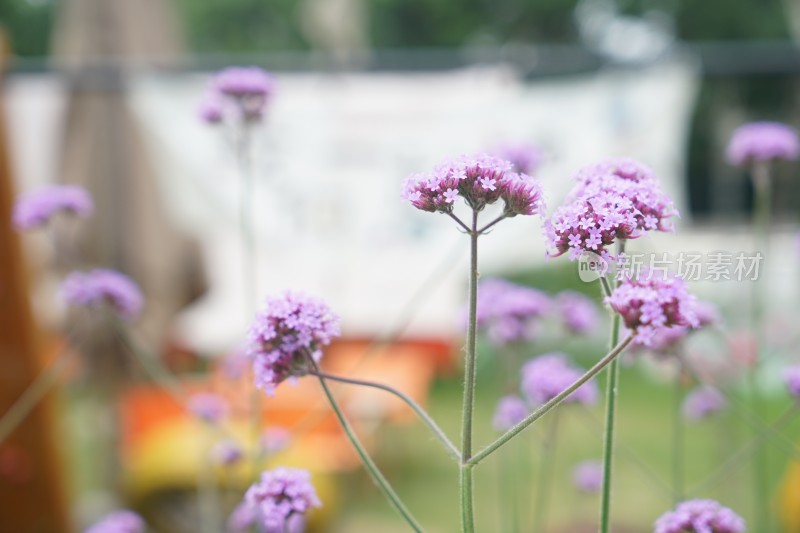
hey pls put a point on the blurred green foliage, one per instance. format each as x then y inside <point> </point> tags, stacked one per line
<point>28,25</point>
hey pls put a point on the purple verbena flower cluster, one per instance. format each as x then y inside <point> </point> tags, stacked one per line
<point>36,208</point>
<point>102,287</point>
<point>700,516</point>
<point>588,476</point>
<point>510,411</point>
<point>649,304</point>
<point>665,340</point>
<point>207,406</point>
<point>547,376</point>
<point>479,180</point>
<point>291,327</point>
<point>227,452</point>
<point>615,199</point>
<point>525,158</point>
<point>578,312</point>
<point>702,402</point>
<point>791,377</point>
<point>122,521</point>
<point>509,312</point>
<point>762,141</point>
<point>243,91</point>
<point>277,500</point>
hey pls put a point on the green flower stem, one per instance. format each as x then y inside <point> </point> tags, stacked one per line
<point>418,410</point>
<point>32,395</point>
<point>547,407</point>
<point>492,223</point>
<point>544,476</point>
<point>369,464</point>
<point>762,213</point>
<point>470,375</point>
<point>678,431</point>
<point>608,440</point>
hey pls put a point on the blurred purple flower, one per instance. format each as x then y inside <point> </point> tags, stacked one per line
<point>649,304</point>
<point>36,208</point>
<point>578,312</point>
<point>508,312</point>
<point>227,453</point>
<point>700,516</point>
<point>274,439</point>
<point>290,327</point>
<point>525,158</point>
<point>478,179</point>
<point>122,521</point>
<point>547,376</point>
<point>762,141</point>
<point>212,109</point>
<point>588,476</point>
<point>245,90</point>
<point>280,497</point>
<point>510,411</point>
<point>103,287</point>
<point>791,377</point>
<point>702,402</point>
<point>207,406</point>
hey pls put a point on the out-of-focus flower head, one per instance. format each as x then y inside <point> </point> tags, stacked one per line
<point>547,376</point>
<point>762,141</point>
<point>275,439</point>
<point>791,377</point>
<point>35,209</point>
<point>243,91</point>
<point>703,402</point>
<point>508,312</point>
<point>524,157</point>
<point>227,453</point>
<point>280,497</point>
<point>587,476</point>
<point>479,180</point>
<point>700,516</point>
<point>122,521</point>
<point>578,312</point>
<point>210,407</point>
<point>290,327</point>
<point>103,288</point>
<point>650,303</point>
<point>510,411</point>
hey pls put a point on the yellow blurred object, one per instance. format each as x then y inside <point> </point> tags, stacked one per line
<point>790,499</point>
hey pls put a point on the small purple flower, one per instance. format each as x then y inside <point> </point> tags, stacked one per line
<point>649,304</point>
<point>245,90</point>
<point>762,141</point>
<point>209,407</point>
<point>578,312</point>
<point>102,287</point>
<point>35,209</point>
<point>122,521</point>
<point>212,109</point>
<point>525,158</point>
<point>510,411</point>
<point>480,180</point>
<point>703,402</point>
<point>239,82</point>
<point>227,453</point>
<point>291,327</point>
<point>791,377</point>
<point>547,376</point>
<point>509,312</point>
<point>700,516</point>
<point>281,495</point>
<point>588,476</point>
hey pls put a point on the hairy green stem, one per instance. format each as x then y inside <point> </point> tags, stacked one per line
<point>470,376</point>
<point>369,464</point>
<point>418,410</point>
<point>547,407</point>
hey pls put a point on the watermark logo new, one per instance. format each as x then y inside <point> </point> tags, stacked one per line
<point>591,267</point>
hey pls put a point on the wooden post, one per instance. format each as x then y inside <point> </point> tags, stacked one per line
<point>31,492</point>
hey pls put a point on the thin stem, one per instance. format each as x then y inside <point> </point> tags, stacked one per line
<point>608,440</point>
<point>420,412</point>
<point>547,407</point>
<point>31,396</point>
<point>605,285</point>
<point>470,376</point>
<point>492,223</point>
<point>460,222</point>
<point>678,440</point>
<point>762,185</point>
<point>544,477</point>
<point>369,464</point>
